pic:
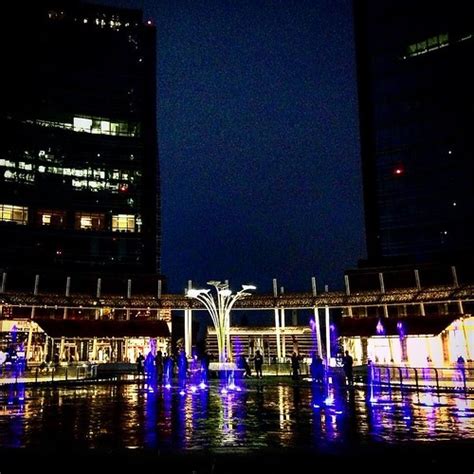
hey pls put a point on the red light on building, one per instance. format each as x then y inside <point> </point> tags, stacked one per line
<point>149,22</point>
<point>398,171</point>
<point>123,187</point>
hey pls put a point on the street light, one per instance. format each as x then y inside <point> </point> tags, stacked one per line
<point>219,308</point>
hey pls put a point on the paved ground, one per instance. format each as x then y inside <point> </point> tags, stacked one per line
<point>437,457</point>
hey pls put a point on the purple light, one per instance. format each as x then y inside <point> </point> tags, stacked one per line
<point>202,385</point>
<point>224,391</point>
<point>168,386</point>
<point>193,388</point>
<point>379,328</point>
<point>182,393</point>
<point>332,327</point>
<point>312,324</point>
<point>329,400</point>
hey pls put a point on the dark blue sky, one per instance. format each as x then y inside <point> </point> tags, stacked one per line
<point>258,141</point>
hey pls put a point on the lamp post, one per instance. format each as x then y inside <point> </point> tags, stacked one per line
<point>219,307</point>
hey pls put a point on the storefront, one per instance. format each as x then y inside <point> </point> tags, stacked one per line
<point>71,341</point>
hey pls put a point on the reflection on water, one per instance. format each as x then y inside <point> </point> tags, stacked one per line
<point>259,416</point>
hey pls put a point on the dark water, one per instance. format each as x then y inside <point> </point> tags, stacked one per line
<point>262,415</point>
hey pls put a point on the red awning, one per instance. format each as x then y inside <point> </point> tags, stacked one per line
<point>93,328</point>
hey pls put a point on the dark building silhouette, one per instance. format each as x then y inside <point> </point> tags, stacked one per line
<point>416,115</point>
<point>79,177</point>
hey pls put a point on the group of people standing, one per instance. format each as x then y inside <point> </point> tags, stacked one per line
<point>163,366</point>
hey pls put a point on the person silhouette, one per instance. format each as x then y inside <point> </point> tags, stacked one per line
<point>258,361</point>
<point>347,363</point>
<point>295,365</point>
<point>317,369</point>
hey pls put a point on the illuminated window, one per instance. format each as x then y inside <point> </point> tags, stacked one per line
<point>98,125</point>
<point>51,218</point>
<point>429,44</point>
<point>16,214</point>
<point>89,221</point>
<point>82,124</point>
<point>105,127</point>
<point>123,223</point>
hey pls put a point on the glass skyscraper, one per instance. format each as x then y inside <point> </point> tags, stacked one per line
<point>416,116</point>
<point>79,176</point>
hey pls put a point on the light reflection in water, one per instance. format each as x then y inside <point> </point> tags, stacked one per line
<point>261,415</point>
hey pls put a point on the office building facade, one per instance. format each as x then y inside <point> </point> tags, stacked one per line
<point>416,104</point>
<point>79,176</point>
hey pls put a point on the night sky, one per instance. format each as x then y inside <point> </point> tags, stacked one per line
<point>258,141</point>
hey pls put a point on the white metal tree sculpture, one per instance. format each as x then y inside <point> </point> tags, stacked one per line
<point>219,307</point>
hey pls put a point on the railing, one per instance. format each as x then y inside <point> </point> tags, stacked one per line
<point>50,373</point>
<point>459,378</point>
<point>282,369</point>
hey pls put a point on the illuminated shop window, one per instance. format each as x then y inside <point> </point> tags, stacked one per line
<point>16,214</point>
<point>123,223</point>
<point>52,218</point>
<point>89,221</point>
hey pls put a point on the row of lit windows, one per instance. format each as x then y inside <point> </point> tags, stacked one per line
<point>103,21</point>
<point>434,43</point>
<point>16,214</point>
<point>82,220</point>
<point>430,44</point>
<point>97,179</point>
<point>95,125</point>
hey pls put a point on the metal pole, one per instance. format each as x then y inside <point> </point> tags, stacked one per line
<point>456,284</point>
<point>68,292</point>
<point>28,344</point>
<point>99,287</point>
<point>68,286</point>
<point>346,284</point>
<point>4,282</point>
<point>418,286</point>
<point>313,286</point>
<point>455,276</point>
<point>188,327</point>
<point>35,292</point>
<point>129,288</point>
<point>277,331</point>
<point>348,293</point>
<point>417,280</point>
<point>283,338</point>
<point>159,289</point>
<point>318,331</point>
<point>382,290</point>
<point>382,283</point>
<point>328,336</point>
<point>275,288</point>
